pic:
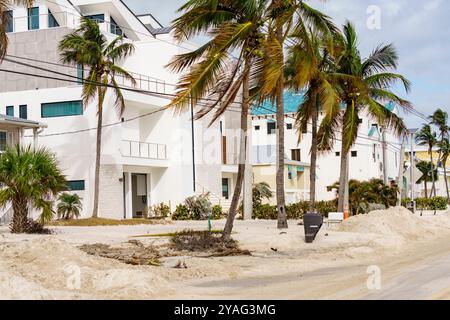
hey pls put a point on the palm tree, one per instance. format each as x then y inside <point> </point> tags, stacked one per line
<point>31,180</point>
<point>88,47</point>
<point>261,191</point>
<point>233,27</point>
<point>69,206</point>
<point>5,6</point>
<point>427,137</point>
<point>427,173</point>
<point>363,86</point>
<point>444,150</point>
<point>310,66</point>
<point>440,120</point>
<point>283,17</point>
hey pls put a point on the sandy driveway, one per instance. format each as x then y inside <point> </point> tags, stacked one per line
<point>408,250</point>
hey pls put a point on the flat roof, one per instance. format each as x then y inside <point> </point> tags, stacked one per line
<point>18,122</point>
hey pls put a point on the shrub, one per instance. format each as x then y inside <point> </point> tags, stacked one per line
<point>217,212</point>
<point>325,207</point>
<point>160,210</point>
<point>199,206</point>
<point>181,213</point>
<point>297,210</point>
<point>265,212</point>
<point>439,203</point>
<point>69,206</point>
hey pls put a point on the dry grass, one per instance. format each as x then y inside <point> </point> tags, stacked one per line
<point>170,234</point>
<point>95,222</point>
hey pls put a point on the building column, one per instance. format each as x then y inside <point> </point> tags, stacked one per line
<point>128,196</point>
<point>248,175</point>
<point>35,138</point>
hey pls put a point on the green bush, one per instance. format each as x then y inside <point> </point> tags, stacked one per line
<point>297,210</point>
<point>217,212</point>
<point>265,212</point>
<point>161,210</point>
<point>439,203</point>
<point>199,206</point>
<point>181,213</point>
<point>325,207</point>
<point>436,203</point>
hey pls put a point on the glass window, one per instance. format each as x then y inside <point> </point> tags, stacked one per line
<point>76,185</point>
<point>115,28</point>
<point>9,21</point>
<point>33,18</point>
<point>99,18</point>
<point>10,111</point>
<point>23,113</point>
<point>271,127</point>
<point>3,141</point>
<point>61,109</point>
<point>354,154</point>
<point>80,73</point>
<point>257,128</point>
<point>225,188</point>
<point>52,23</point>
<point>289,126</point>
<point>296,156</point>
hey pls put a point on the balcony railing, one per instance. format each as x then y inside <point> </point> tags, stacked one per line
<point>42,21</point>
<point>143,150</point>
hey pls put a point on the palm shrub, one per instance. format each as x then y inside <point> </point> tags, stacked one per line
<point>69,206</point>
<point>31,180</point>
<point>427,137</point>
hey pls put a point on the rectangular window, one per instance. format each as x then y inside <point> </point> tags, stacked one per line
<point>10,111</point>
<point>271,127</point>
<point>33,18</point>
<point>257,128</point>
<point>23,112</point>
<point>99,18</point>
<point>76,185</point>
<point>289,126</point>
<point>114,28</point>
<point>225,188</point>
<point>295,153</point>
<point>61,109</point>
<point>80,73</point>
<point>52,23</point>
<point>305,130</point>
<point>3,141</point>
<point>354,154</point>
<point>338,154</point>
<point>9,21</point>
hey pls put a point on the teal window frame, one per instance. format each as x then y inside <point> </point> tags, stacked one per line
<point>33,18</point>
<point>23,111</point>
<point>10,111</point>
<point>9,21</point>
<point>76,185</point>
<point>52,22</point>
<point>99,18</point>
<point>226,188</point>
<point>62,109</point>
<point>80,73</point>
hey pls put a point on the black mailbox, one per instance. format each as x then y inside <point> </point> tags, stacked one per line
<point>312,223</point>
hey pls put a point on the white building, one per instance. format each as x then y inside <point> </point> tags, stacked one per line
<point>147,155</point>
<point>366,158</point>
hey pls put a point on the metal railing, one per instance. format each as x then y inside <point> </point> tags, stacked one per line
<point>143,150</point>
<point>43,21</point>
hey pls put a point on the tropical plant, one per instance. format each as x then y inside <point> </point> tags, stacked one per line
<point>88,47</point>
<point>234,27</point>
<point>440,120</point>
<point>261,191</point>
<point>363,86</point>
<point>5,7</point>
<point>427,137</point>
<point>69,206</point>
<point>199,206</point>
<point>425,168</point>
<point>31,179</point>
<point>444,150</point>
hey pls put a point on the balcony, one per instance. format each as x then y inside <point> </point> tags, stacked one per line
<point>143,150</point>
<point>42,21</point>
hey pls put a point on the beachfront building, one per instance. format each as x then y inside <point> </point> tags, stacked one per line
<point>149,155</point>
<point>366,157</point>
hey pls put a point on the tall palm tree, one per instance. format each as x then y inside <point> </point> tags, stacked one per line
<point>31,179</point>
<point>427,137</point>
<point>440,120</point>
<point>5,6</point>
<point>284,17</point>
<point>310,67</point>
<point>364,86</point>
<point>427,172</point>
<point>233,27</point>
<point>88,47</point>
<point>444,150</point>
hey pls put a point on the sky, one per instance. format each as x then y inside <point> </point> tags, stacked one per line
<point>419,29</point>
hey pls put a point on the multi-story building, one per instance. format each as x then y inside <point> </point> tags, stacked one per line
<point>148,153</point>
<point>366,156</point>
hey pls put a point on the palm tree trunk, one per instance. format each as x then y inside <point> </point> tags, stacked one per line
<point>242,153</point>
<point>445,177</point>
<point>98,153</point>
<point>312,172</point>
<point>426,188</point>
<point>433,186</point>
<point>19,222</point>
<point>343,181</point>
<point>281,201</point>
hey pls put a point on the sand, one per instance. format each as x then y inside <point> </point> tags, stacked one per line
<point>46,267</point>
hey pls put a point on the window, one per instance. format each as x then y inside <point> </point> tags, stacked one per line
<point>3,141</point>
<point>115,29</point>
<point>52,23</point>
<point>360,121</point>
<point>225,188</point>
<point>33,18</point>
<point>305,130</point>
<point>80,73</point>
<point>271,127</point>
<point>338,154</point>
<point>354,154</point>
<point>75,185</point>
<point>10,111</point>
<point>295,155</point>
<point>61,109</point>
<point>23,114</point>
<point>9,21</point>
<point>99,18</point>
<point>257,128</point>
<point>289,126</point>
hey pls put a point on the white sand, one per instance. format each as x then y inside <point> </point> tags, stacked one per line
<point>40,267</point>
